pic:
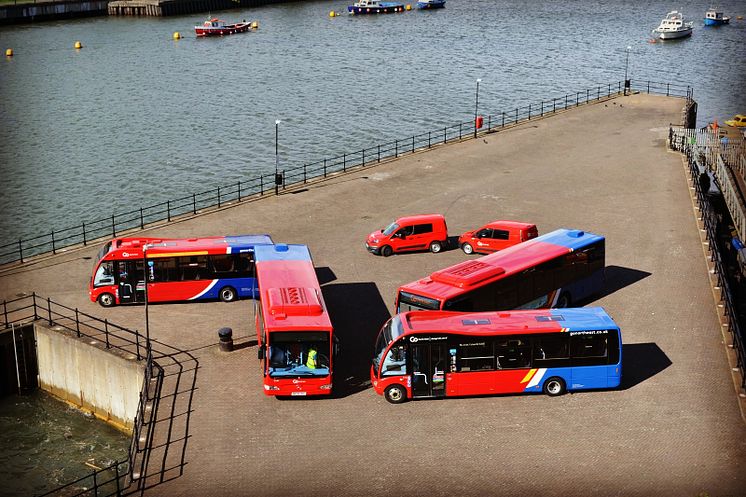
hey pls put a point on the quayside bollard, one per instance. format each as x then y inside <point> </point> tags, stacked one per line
<point>226,339</point>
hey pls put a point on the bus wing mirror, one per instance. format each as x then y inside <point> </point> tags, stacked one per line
<point>260,352</point>
<point>336,346</point>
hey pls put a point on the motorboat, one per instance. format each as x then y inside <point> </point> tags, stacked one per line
<point>431,4</point>
<point>218,27</point>
<point>374,7</point>
<point>714,17</point>
<point>673,26</point>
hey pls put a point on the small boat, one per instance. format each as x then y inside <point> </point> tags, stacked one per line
<point>374,7</point>
<point>218,27</point>
<point>713,17</point>
<point>431,4</point>
<point>673,26</point>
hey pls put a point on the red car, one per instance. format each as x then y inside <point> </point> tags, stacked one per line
<point>495,236</point>
<point>406,234</point>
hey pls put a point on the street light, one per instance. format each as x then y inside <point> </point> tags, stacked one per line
<point>626,66</point>
<point>146,273</point>
<point>277,159</point>
<point>476,107</point>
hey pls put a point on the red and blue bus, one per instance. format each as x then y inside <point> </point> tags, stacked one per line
<point>430,354</point>
<point>552,270</point>
<point>294,331</point>
<point>219,267</point>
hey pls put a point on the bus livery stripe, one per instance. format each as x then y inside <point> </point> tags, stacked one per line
<point>528,376</point>
<point>537,378</point>
<point>209,287</point>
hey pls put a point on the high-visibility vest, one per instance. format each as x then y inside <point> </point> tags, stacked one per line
<point>311,362</point>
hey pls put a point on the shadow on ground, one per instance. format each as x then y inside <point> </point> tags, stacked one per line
<point>641,361</point>
<point>618,277</point>
<point>357,312</point>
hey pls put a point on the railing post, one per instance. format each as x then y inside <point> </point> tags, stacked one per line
<point>565,101</point>
<point>142,220</point>
<point>344,162</point>
<point>85,242</point>
<point>95,484</point>
<point>668,87</point>
<point>587,94</point>
<point>218,197</point>
<point>168,211</point>
<point>194,203</point>
<point>503,123</point>
<point>598,93</point>
<point>77,322</point>
<point>325,168</point>
<point>608,92</point>
<point>261,185</point>
<point>445,135</point>
<point>542,109</point>
<point>137,345</point>
<point>304,174</point>
<point>428,139</point>
<point>516,116</point>
<point>554,105</point>
<point>113,227</point>
<point>648,87</point>
<point>49,310</point>
<point>412,143</point>
<point>33,297</point>
<point>529,112</point>
<point>577,99</point>
<point>379,152</point>
<point>363,159</point>
<point>54,250</point>
<point>459,130</point>
<point>106,332</point>
<point>489,122</point>
<point>239,191</point>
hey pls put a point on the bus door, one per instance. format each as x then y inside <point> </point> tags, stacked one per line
<point>130,282</point>
<point>429,362</point>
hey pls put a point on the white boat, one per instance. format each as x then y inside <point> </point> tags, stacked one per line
<point>673,26</point>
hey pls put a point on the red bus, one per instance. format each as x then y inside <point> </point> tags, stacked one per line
<point>430,354</point>
<point>218,267</point>
<point>294,332</point>
<point>552,270</point>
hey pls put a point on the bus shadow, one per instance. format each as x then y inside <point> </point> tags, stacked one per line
<point>325,275</point>
<point>618,277</point>
<point>641,361</point>
<point>357,312</point>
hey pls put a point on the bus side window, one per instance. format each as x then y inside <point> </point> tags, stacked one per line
<point>551,350</point>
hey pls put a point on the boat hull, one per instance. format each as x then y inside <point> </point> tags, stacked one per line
<point>383,9</point>
<point>716,22</point>
<point>674,35</point>
<point>430,5</point>
<point>228,29</point>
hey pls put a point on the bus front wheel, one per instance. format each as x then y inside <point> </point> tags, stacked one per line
<point>106,300</point>
<point>396,394</point>
<point>227,294</point>
<point>554,386</point>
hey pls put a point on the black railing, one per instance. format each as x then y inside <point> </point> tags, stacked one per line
<point>118,223</point>
<point>680,143</point>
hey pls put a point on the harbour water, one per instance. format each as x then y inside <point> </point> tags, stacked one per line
<point>46,444</point>
<point>135,117</point>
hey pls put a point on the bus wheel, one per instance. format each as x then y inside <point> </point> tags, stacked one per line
<point>386,251</point>
<point>396,394</point>
<point>554,386</point>
<point>436,247</point>
<point>227,294</point>
<point>467,248</point>
<point>106,300</point>
<point>564,300</point>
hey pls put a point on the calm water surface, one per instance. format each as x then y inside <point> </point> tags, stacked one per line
<point>135,117</point>
<point>45,444</point>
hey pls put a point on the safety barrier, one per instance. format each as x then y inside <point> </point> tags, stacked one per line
<point>698,146</point>
<point>195,203</point>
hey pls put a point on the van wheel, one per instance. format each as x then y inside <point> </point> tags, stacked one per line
<point>564,300</point>
<point>106,300</point>
<point>227,294</point>
<point>436,247</point>
<point>396,394</point>
<point>554,386</point>
<point>467,248</point>
<point>386,251</point>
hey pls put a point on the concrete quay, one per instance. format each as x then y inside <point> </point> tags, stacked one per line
<point>673,429</point>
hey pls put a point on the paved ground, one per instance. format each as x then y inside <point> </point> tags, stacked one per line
<point>673,429</point>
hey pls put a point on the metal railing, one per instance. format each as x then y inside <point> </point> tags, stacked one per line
<point>194,203</point>
<point>697,148</point>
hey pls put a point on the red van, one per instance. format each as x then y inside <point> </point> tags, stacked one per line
<point>495,236</point>
<point>406,234</point>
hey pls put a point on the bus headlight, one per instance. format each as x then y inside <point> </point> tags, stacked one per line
<point>271,387</point>
<point>325,387</point>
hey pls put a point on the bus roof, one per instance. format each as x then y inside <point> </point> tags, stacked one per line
<point>290,295</point>
<point>172,247</point>
<point>507,322</point>
<point>452,281</point>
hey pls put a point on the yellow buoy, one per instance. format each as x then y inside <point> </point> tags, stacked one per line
<point>409,7</point>
<point>177,35</point>
<point>9,52</point>
<point>332,14</point>
<point>255,25</point>
<point>78,45</point>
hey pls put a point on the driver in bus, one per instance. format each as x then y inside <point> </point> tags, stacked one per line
<point>312,362</point>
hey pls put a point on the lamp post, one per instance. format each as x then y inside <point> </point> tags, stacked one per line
<point>626,66</point>
<point>476,107</point>
<point>145,274</point>
<point>277,158</point>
